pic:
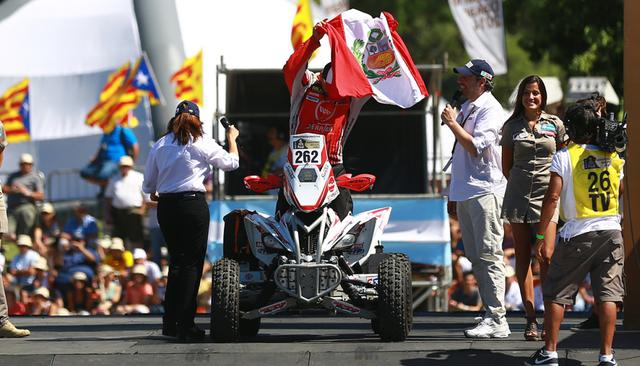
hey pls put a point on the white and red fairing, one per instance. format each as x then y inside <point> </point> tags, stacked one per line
<point>308,178</point>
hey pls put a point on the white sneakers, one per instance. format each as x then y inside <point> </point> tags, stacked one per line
<point>489,328</point>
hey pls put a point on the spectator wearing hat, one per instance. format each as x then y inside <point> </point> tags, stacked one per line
<point>115,144</point>
<point>124,201</point>
<point>47,230</point>
<point>24,189</point>
<point>108,289</point>
<point>41,276</point>
<point>41,303</point>
<point>120,259</point>
<point>139,293</point>
<point>153,270</point>
<point>81,224</point>
<point>477,188</point>
<point>22,264</point>
<point>176,168</point>
<point>80,299</point>
<point>77,257</point>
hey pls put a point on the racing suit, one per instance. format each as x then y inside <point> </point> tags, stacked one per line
<point>319,110</point>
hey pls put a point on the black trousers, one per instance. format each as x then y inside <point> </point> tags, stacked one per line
<point>342,205</point>
<point>184,221</point>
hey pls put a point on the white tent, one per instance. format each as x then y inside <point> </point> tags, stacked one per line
<point>66,49</point>
<point>583,86</point>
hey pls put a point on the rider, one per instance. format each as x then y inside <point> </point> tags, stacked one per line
<point>316,107</point>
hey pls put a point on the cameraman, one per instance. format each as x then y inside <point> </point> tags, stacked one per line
<point>587,179</point>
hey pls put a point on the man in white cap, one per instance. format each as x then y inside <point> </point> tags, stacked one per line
<point>153,270</point>
<point>124,201</point>
<point>22,264</point>
<point>7,329</point>
<point>23,189</point>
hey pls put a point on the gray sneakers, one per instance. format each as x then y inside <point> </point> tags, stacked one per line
<point>489,328</point>
<point>8,330</point>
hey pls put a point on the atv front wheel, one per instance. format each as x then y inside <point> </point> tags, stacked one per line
<point>225,302</point>
<point>394,299</point>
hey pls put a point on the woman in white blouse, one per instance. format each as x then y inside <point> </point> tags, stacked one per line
<point>175,171</point>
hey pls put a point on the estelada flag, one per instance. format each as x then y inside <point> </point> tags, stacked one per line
<point>14,112</point>
<point>188,80</point>
<point>144,79</point>
<point>117,98</point>
<point>302,27</point>
<point>369,58</point>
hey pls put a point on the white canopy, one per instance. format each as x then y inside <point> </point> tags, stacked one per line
<point>583,86</point>
<point>69,37</point>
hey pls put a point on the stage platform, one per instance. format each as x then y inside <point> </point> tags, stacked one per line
<point>436,339</point>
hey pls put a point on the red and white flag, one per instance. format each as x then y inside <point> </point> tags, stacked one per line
<point>369,58</point>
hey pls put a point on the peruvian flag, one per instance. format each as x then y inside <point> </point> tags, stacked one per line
<point>369,58</point>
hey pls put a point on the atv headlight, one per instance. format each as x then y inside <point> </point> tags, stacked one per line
<point>345,242</point>
<point>272,243</point>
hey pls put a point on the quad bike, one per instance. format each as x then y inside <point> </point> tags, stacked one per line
<point>308,257</point>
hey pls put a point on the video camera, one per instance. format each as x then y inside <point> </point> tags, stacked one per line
<point>611,135</point>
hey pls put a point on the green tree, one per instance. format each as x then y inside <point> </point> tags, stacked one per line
<point>583,37</point>
<point>546,37</point>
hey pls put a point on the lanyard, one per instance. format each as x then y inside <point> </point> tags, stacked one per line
<point>455,143</point>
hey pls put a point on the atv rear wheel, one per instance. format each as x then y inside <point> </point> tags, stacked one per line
<point>225,304</point>
<point>394,299</point>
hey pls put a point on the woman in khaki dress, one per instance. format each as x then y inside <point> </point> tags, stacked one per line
<point>529,140</point>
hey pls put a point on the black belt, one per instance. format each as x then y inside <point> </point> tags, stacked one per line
<point>181,194</point>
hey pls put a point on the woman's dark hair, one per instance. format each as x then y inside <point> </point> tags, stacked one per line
<point>519,108</point>
<point>184,126</point>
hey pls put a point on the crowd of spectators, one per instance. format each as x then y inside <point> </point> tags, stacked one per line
<point>85,265</point>
<point>464,295</point>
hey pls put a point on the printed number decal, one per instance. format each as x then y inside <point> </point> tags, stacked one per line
<point>605,182</point>
<point>306,156</point>
<point>594,191</point>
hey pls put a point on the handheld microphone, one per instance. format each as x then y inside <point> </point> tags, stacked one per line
<point>455,102</point>
<point>225,123</point>
<point>456,99</point>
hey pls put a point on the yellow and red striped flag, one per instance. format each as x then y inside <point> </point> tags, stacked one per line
<point>115,81</point>
<point>302,27</point>
<point>188,80</point>
<point>14,112</point>
<point>117,98</point>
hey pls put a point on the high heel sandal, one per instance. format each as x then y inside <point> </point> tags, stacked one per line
<point>531,329</point>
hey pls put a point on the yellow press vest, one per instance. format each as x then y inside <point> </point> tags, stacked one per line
<point>596,181</point>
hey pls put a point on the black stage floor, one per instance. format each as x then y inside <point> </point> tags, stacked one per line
<point>436,339</point>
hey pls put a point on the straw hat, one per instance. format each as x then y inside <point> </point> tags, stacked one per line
<point>79,276</point>
<point>42,291</point>
<point>24,240</point>
<point>47,208</point>
<point>139,269</point>
<point>41,264</point>
<point>117,244</point>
